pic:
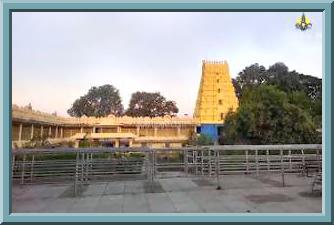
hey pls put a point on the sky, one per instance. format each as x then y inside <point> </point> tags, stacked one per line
<point>59,56</point>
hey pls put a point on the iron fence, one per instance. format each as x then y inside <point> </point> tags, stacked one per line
<point>83,165</point>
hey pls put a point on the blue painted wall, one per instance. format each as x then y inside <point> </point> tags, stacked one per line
<point>211,130</point>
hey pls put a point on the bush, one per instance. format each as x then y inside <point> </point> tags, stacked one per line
<point>37,142</point>
<point>136,154</point>
<point>84,143</point>
<point>203,139</point>
<point>69,144</point>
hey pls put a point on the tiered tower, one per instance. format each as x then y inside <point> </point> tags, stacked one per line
<point>216,96</point>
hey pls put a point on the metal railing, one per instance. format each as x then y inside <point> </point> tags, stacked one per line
<point>83,165</point>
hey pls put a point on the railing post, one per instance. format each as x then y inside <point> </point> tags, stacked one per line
<point>152,168</point>
<point>32,167</point>
<point>91,163</point>
<point>202,155</point>
<point>185,161</point>
<point>268,160</point>
<point>247,162</point>
<point>76,175</point>
<point>13,165</point>
<point>147,165</point>
<point>209,162</point>
<point>290,160</point>
<point>82,166</point>
<point>219,160</point>
<point>87,166</point>
<point>154,164</point>
<point>282,168</point>
<point>318,157</point>
<point>303,162</point>
<point>257,162</point>
<point>218,169</point>
<point>23,168</point>
<point>195,153</point>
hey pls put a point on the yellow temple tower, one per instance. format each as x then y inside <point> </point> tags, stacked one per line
<point>216,96</point>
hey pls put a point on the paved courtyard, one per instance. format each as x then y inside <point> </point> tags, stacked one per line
<point>239,194</point>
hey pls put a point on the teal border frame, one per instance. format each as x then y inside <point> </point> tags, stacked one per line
<point>8,6</point>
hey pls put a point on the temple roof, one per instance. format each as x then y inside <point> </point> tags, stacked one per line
<point>23,114</point>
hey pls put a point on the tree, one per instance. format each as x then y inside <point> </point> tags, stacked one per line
<point>99,101</point>
<point>254,75</point>
<point>279,75</point>
<point>151,105</point>
<point>279,68</point>
<point>312,106</point>
<point>290,82</point>
<point>267,115</point>
<point>237,88</point>
<point>29,107</point>
<point>229,135</point>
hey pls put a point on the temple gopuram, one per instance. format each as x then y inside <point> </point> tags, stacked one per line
<point>216,96</point>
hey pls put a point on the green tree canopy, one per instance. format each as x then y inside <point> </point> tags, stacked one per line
<point>253,75</point>
<point>151,105</point>
<point>268,115</point>
<point>303,90</point>
<point>312,107</point>
<point>279,75</point>
<point>99,101</point>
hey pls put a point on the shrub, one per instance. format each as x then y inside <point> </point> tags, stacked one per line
<point>84,144</point>
<point>203,139</point>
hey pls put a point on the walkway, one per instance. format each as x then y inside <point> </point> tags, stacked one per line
<point>239,194</point>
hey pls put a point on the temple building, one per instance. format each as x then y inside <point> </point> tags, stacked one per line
<point>158,132</point>
<point>216,96</point>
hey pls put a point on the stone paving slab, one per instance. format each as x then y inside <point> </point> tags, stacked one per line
<point>84,204</point>
<point>160,203</point>
<point>60,205</point>
<point>293,180</point>
<point>178,184</point>
<point>216,202</point>
<point>153,187</point>
<point>109,204</point>
<point>114,188</point>
<point>135,203</point>
<point>30,206</point>
<point>37,191</point>
<point>239,194</point>
<point>133,187</point>
<point>240,182</point>
<point>96,189</point>
<point>184,203</point>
